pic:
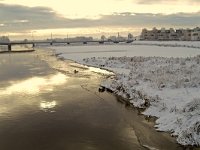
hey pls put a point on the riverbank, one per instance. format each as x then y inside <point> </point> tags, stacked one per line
<point>167,87</point>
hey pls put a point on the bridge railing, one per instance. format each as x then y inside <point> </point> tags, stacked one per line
<point>34,43</point>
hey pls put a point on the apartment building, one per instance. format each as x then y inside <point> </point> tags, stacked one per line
<point>170,34</point>
<point>195,34</point>
<point>149,34</point>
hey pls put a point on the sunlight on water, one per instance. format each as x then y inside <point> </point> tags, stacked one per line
<point>35,85</point>
<point>98,70</point>
<point>46,106</point>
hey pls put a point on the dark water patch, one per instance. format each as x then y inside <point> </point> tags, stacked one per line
<point>20,66</point>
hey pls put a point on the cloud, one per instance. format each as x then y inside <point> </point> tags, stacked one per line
<point>167,2</point>
<point>17,18</point>
<point>149,19</point>
<point>21,17</point>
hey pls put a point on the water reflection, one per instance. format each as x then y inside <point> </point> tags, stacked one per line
<point>48,106</point>
<point>98,70</point>
<point>35,85</point>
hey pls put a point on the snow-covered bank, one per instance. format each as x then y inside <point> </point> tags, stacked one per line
<point>168,87</point>
<point>188,44</point>
<point>77,53</point>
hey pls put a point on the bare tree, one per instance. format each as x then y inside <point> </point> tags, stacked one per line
<point>103,37</point>
<point>130,36</point>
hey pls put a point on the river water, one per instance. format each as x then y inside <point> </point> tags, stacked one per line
<point>48,108</point>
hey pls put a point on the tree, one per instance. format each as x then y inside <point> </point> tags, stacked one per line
<point>103,37</point>
<point>130,36</point>
<point>4,39</point>
<point>25,40</point>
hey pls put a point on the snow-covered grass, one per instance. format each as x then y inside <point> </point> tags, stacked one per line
<point>167,87</point>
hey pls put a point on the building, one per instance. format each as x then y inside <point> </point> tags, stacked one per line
<point>173,35</point>
<point>185,34</point>
<point>156,34</point>
<point>195,34</point>
<point>170,34</point>
<point>149,34</point>
<point>163,34</point>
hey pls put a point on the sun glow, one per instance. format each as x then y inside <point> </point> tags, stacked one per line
<point>95,8</point>
<point>77,13</point>
<point>35,85</point>
<point>96,32</point>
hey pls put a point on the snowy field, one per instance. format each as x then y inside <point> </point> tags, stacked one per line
<point>190,44</point>
<point>163,79</point>
<point>77,53</point>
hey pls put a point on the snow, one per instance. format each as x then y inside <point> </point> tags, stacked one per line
<point>77,53</point>
<point>162,79</point>
<point>189,44</point>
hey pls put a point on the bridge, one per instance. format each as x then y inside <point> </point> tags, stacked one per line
<point>34,43</point>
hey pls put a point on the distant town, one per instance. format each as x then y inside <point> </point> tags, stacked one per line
<point>154,34</point>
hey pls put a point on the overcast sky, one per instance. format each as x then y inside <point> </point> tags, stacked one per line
<point>76,17</point>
